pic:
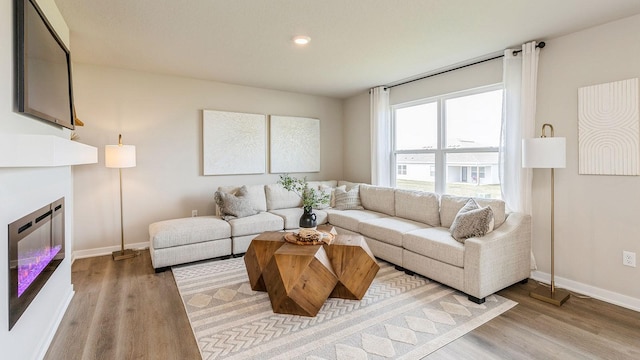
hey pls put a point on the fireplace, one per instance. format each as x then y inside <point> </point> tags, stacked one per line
<point>36,248</point>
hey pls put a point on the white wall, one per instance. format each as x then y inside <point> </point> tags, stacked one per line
<point>162,116</point>
<point>596,216</point>
<point>25,190</point>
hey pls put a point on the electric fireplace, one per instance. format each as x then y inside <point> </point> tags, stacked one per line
<point>36,248</point>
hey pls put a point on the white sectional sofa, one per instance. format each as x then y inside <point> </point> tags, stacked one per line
<point>407,228</point>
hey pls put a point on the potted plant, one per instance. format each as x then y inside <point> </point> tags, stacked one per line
<point>311,198</point>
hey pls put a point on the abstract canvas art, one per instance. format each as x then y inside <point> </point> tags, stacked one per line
<point>294,144</point>
<point>609,129</point>
<point>233,143</point>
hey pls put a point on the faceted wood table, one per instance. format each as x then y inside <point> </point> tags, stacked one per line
<point>354,265</point>
<point>300,278</point>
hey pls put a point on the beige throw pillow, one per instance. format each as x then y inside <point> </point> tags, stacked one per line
<point>472,221</point>
<point>234,206</point>
<point>348,200</point>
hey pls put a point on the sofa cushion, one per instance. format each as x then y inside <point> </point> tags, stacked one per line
<point>418,206</point>
<point>278,197</point>
<point>292,216</point>
<point>317,184</point>
<point>348,200</point>
<point>177,232</point>
<point>436,243</point>
<point>347,184</point>
<point>238,205</point>
<point>378,198</point>
<point>349,219</point>
<point>254,192</point>
<point>450,205</point>
<point>256,224</point>
<point>472,220</point>
<point>388,230</point>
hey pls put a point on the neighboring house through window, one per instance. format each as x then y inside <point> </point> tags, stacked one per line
<point>449,143</point>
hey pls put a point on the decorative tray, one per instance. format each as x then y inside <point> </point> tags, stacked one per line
<point>318,238</point>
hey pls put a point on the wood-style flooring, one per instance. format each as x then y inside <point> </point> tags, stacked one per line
<point>123,310</point>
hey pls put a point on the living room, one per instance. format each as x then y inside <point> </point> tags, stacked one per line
<point>161,114</point>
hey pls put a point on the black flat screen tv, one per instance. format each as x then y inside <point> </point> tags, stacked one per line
<point>43,64</point>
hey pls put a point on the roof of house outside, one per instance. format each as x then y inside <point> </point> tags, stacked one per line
<point>460,159</point>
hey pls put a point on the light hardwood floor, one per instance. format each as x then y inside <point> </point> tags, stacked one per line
<point>123,310</point>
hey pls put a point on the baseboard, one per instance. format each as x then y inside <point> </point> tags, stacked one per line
<point>592,291</point>
<point>61,311</point>
<point>81,254</point>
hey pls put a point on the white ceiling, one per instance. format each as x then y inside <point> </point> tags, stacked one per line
<point>355,44</point>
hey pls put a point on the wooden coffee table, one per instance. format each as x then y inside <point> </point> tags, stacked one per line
<point>300,278</point>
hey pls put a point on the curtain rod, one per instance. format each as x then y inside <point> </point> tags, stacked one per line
<point>515,52</point>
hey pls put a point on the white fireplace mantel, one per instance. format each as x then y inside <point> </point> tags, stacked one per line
<point>28,150</point>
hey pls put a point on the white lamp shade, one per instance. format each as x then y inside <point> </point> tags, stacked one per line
<point>120,156</point>
<point>544,153</point>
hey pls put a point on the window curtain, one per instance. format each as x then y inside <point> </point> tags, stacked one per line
<point>520,74</point>
<point>380,137</point>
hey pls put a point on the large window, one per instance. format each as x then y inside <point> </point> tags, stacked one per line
<point>449,144</point>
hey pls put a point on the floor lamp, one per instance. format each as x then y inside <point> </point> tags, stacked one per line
<point>120,156</point>
<point>547,153</point>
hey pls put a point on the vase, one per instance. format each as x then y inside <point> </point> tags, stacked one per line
<point>308,219</point>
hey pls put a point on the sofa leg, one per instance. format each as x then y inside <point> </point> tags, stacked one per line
<point>476,300</point>
<point>399,268</point>
<point>409,272</point>
<point>162,269</point>
<point>524,281</point>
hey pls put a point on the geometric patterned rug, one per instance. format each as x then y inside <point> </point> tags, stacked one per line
<point>401,317</point>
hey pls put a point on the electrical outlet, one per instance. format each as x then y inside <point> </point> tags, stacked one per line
<point>194,213</point>
<point>629,258</point>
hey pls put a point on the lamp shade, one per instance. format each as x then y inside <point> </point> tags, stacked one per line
<point>120,156</point>
<point>544,153</point>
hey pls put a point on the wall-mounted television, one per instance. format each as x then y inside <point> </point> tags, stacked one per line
<point>43,64</point>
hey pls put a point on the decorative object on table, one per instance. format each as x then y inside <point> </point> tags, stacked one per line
<point>294,144</point>
<point>547,153</point>
<point>310,237</point>
<point>608,129</point>
<point>400,315</point>
<point>233,143</point>
<point>311,198</point>
<point>120,156</point>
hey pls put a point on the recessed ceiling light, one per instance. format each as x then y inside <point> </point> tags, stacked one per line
<point>301,40</point>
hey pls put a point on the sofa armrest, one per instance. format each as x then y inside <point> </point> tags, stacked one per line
<point>500,258</point>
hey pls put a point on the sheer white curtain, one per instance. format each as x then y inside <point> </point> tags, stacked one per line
<point>520,75</point>
<point>380,137</point>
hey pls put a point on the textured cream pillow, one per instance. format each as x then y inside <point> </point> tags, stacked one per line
<point>348,200</point>
<point>234,206</point>
<point>472,221</point>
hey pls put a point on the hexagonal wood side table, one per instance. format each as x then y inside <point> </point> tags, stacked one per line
<point>299,279</point>
<point>259,254</point>
<point>354,265</point>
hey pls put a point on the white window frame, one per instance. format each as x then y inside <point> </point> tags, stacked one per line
<point>440,165</point>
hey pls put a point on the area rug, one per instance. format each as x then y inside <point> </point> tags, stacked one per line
<point>401,317</point>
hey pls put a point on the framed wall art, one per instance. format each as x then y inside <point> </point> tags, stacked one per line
<point>233,143</point>
<point>294,144</point>
<point>609,129</point>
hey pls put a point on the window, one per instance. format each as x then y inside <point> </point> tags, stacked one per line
<point>450,143</point>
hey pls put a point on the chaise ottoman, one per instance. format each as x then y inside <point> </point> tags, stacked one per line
<point>180,241</point>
